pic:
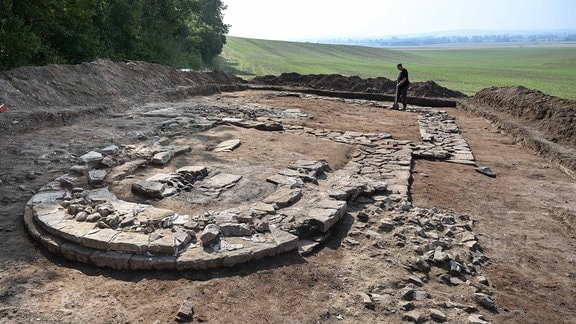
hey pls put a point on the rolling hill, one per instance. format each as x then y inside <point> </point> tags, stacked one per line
<point>550,69</point>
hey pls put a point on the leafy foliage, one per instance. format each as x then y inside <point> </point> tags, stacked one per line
<point>180,33</point>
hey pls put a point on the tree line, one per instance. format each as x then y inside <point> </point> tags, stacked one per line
<point>457,40</point>
<point>179,33</point>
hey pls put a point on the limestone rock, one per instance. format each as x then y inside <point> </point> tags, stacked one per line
<point>90,157</point>
<point>149,189</point>
<point>227,146</point>
<point>327,212</point>
<point>110,150</point>
<point>210,233</point>
<point>486,171</point>
<point>283,197</point>
<point>437,315</point>
<point>186,312</point>
<point>414,316</point>
<point>96,177</point>
<point>162,158</point>
<point>485,301</point>
<point>306,247</point>
<point>234,229</point>
<point>220,181</point>
<point>477,319</point>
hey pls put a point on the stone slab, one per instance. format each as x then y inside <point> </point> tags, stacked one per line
<point>157,262</point>
<point>47,197</point>
<point>111,259</point>
<point>76,252</point>
<point>99,238</point>
<point>327,213</point>
<point>198,258</point>
<point>130,242</point>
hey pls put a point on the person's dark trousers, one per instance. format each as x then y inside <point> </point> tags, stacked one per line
<point>402,96</point>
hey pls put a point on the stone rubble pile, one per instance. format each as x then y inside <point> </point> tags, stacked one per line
<point>442,139</point>
<point>76,216</point>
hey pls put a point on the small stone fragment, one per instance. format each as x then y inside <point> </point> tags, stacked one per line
<point>186,312</point>
<point>477,319</point>
<point>406,293</point>
<point>420,295</point>
<point>438,316</point>
<point>209,234</point>
<point>406,305</point>
<point>413,316</point>
<point>485,301</point>
<point>486,171</point>
<point>415,280</point>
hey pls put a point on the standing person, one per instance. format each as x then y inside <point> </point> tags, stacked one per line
<point>402,83</point>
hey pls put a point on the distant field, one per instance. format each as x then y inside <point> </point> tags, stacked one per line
<point>550,69</point>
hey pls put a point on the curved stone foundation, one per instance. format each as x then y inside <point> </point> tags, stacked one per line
<point>77,217</point>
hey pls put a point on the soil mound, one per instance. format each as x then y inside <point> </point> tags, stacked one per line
<point>354,83</point>
<point>550,115</point>
<point>96,82</point>
<point>433,90</point>
<point>59,92</point>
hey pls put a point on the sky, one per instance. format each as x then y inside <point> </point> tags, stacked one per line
<point>301,20</point>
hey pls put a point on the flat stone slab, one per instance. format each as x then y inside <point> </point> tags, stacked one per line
<point>220,181</point>
<point>152,215</point>
<point>283,197</point>
<point>227,146</point>
<point>99,238</point>
<point>130,242</point>
<point>47,197</point>
<point>327,212</point>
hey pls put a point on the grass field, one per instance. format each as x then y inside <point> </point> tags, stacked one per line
<point>550,69</point>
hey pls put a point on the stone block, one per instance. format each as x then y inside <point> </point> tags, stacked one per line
<point>47,197</point>
<point>198,258</point>
<point>169,242</point>
<point>75,252</point>
<point>157,262</point>
<point>90,157</point>
<point>227,146</point>
<point>52,243</point>
<point>284,241</point>
<point>153,215</point>
<point>111,259</point>
<point>327,213</point>
<point>253,252</point>
<point>120,172</point>
<point>33,229</point>
<point>235,229</point>
<point>99,238</point>
<point>162,158</point>
<point>130,242</point>
<point>284,197</point>
<point>96,177</point>
<point>101,195</point>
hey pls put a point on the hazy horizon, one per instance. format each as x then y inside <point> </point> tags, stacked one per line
<point>300,20</point>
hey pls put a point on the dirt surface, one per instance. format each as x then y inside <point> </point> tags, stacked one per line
<point>524,218</point>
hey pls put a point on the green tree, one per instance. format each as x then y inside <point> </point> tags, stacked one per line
<point>181,33</point>
<point>120,27</point>
<point>65,27</point>
<point>212,29</point>
<point>18,43</point>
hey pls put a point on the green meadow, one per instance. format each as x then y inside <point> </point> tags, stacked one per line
<point>550,69</point>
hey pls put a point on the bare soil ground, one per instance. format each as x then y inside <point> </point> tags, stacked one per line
<point>524,218</point>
